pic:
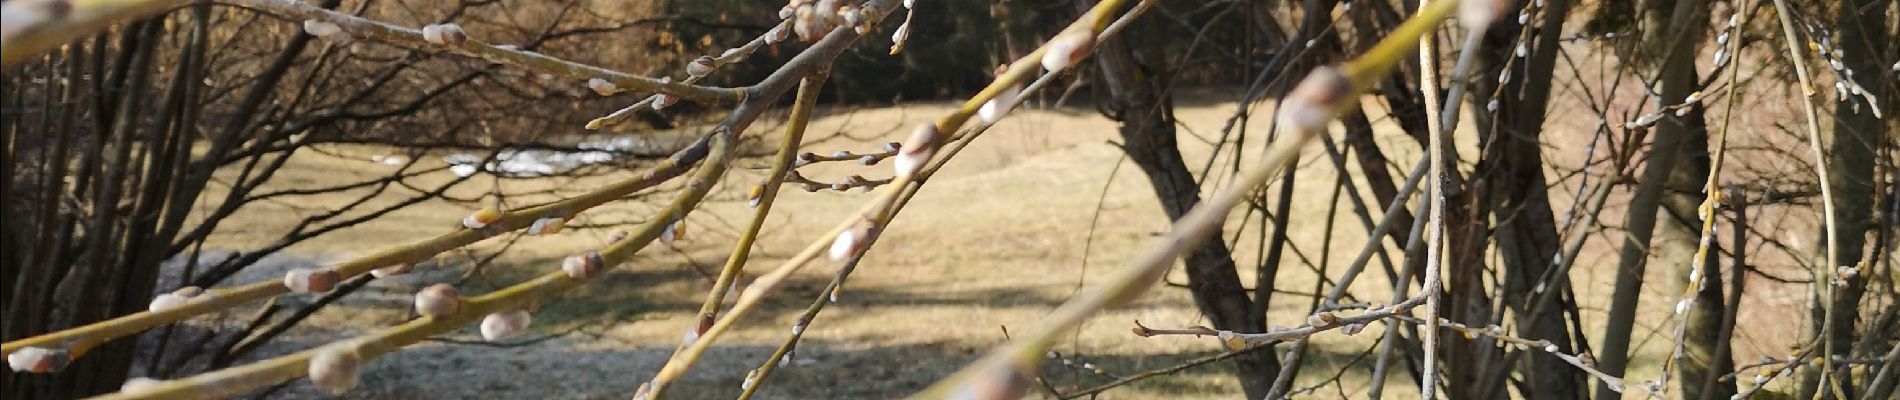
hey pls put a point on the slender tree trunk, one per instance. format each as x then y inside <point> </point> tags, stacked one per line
<point>1667,48</point>
<point>1679,233</point>
<point>1527,234</point>
<point>1147,129</point>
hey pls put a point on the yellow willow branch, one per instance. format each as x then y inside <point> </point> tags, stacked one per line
<point>1828,272</point>
<point>762,199</point>
<point>364,28</point>
<point>237,380</point>
<point>34,27</point>
<point>875,211</point>
<point>756,379</point>
<point>77,341</point>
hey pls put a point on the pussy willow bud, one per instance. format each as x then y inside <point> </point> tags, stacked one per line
<point>868,160</point>
<point>174,299</point>
<point>673,231</point>
<point>1353,329</point>
<point>445,34</point>
<point>662,101</point>
<point>917,149</point>
<point>751,378</point>
<point>786,12</point>
<point>754,196</point>
<point>778,34</point>
<point>1311,105</point>
<point>700,66</point>
<point>892,147</point>
<point>1477,15</point>
<point>1066,49</point>
<point>584,266</point>
<point>304,280</point>
<point>1322,320</point>
<point>687,339</point>
<point>1232,341</point>
<point>438,300</point>
<point>393,270</point>
<point>640,393</point>
<point>547,226</point>
<point>481,218</point>
<point>38,360</point>
<point>321,28</point>
<point>900,36</point>
<point>813,187</point>
<point>1000,382</point>
<point>998,106</point>
<point>812,22</point>
<point>139,385</point>
<point>849,15</point>
<point>602,87</point>
<point>850,243</point>
<point>334,369</point>
<point>505,324</point>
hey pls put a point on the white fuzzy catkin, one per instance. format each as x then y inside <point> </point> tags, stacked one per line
<point>1067,49</point>
<point>1479,14</point>
<point>334,369</point>
<point>139,385</point>
<point>482,218</point>
<point>700,66</point>
<point>602,87</point>
<point>438,300</point>
<point>1309,107</point>
<point>916,150</point>
<point>505,324</point>
<point>848,244</point>
<point>444,34</point>
<point>321,28</point>
<point>583,266</point>
<point>37,360</point>
<point>166,301</point>
<point>999,106</point>
<point>393,270</point>
<point>547,226</point>
<point>305,280</point>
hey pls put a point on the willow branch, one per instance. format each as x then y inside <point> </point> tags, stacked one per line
<point>1308,109</point>
<point>875,212</point>
<point>1827,274</point>
<point>237,380</point>
<point>77,341</point>
<point>359,27</point>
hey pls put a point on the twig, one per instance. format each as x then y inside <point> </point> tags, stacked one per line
<point>526,60</point>
<point>1828,272</point>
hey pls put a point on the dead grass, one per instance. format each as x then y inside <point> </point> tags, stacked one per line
<point>994,242</point>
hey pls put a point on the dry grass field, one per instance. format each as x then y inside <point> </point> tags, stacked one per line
<point>994,242</point>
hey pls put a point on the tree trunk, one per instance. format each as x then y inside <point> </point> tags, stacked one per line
<point>1527,234</point>
<point>1147,129</point>
<point>1667,50</point>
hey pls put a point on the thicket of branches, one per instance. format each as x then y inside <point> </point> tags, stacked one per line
<point>134,129</point>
